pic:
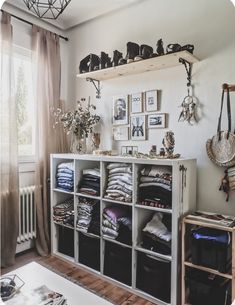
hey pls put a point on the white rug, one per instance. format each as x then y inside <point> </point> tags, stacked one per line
<point>35,275</point>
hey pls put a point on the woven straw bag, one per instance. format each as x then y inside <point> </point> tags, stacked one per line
<point>221,148</point>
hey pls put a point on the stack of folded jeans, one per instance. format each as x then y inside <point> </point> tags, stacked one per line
<point>65,176</point>
<point>119,185</point>
<point>155,188</point>
<point>90,183</point>
<point>64,212</point>
<point>85,210</point>
<point>157,234</point>
<point>117,224</point>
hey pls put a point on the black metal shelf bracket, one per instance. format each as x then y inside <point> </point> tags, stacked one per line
<point>96,84</point>
<point>188,67</point>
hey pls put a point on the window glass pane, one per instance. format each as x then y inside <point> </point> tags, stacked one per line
<point>24,101</point>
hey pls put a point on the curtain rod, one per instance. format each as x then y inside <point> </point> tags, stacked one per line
<point>30,23</point>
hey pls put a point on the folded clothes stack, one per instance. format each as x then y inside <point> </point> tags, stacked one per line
<point>155,188</point>
<point>64,213</point>
<point>94,226</point>
<point>157,234</point>
<point>90,183</point>
<point>65,176</point>
<point>85,212</point>
<point>119,182</point>
<point>117,224</point>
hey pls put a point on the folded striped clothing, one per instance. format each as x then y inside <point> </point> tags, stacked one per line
<point>164,172</point>
<point>65,176</point>
<point>63,210</point>
<point>85,210</point>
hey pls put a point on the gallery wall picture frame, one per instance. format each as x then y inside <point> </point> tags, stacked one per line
<point>138,127</point>
<point>120,111</point>
<point>157,120</point>
<point>121,133</point>
<point>151,101</point>
<point>136,102</point>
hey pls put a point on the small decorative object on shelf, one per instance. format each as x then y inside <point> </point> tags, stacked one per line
<point>169,143</point>
<point>79,123</point>
<point>153,151</point>
<point>10,285</point>
<point>175,47</point>
<point>228,181</point>
<point>95,140</point>
<point>100,152</point>
<point>160,48</point>
<point>162,152</point>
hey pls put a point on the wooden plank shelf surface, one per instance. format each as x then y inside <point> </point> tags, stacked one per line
<point>136,67</point>
<point>213,271</point>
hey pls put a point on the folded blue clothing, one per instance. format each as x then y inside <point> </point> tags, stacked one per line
<point>65,185</point>
<point>65,178</point>
<point>64,182</point>
<point>65,175</point>
<point>65,171</point>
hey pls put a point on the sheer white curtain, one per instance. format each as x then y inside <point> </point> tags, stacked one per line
<point>46,56</point>
<point>9,180</point>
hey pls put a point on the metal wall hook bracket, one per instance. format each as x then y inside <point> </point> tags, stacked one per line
<point>96,84</point>
<point>188,67</point>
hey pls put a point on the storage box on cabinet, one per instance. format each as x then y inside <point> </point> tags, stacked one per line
<point>207,289</point>
<point>154,276</point>
<point>211,248</point>
<point>89,250</point>
<point>118,262</point>
<point>66,241</point>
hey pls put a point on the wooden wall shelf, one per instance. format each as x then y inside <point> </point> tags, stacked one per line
<point>151,64</point>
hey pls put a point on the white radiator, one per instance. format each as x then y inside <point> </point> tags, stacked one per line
<point>27,217</point>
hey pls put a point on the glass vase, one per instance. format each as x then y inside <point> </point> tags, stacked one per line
<point>78,143</point>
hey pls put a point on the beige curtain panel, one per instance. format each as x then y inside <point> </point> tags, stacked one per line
<point>46,56</point>
<point>9,183</point>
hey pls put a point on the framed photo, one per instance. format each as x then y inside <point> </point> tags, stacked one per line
<point>157,120</point>
<point>121,133</point>
<point>151,100</point>
<point>138,127</point>
<point>120,110</point>
<point>137,102</point>
<point>129,150</point>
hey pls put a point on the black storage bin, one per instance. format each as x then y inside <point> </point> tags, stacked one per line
<point>154,276</point>
<point>207,289</point>
<point>89,251</point>
<point>117,262</point>
<point>209,249</point>
<point>66,241</point>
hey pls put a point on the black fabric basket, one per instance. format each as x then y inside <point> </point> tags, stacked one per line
<point>207,289</point>
<point>117,262</point>
<point>154,276</point>
<point>210,253</point>
<point>66,241</point>
<point>89,251</point>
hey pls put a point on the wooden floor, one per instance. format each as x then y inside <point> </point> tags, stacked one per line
<point>99,286</point>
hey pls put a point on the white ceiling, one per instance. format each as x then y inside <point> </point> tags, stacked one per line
<point>79,11</point>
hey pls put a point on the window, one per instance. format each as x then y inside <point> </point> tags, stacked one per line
<point>25,102</point>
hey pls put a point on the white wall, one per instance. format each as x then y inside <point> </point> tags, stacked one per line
<point>209,25</point>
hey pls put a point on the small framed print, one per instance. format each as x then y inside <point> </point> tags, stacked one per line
<point>136,102</point>
<point>151,100</point>
<point>157,120</point>
<point>120,110</point>
<point>121,133</point>
<point>138,128</point>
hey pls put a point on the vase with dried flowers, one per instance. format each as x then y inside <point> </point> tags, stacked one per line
<point>78,123</point>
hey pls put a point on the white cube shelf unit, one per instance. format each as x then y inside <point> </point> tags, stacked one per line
<point>71,244</point>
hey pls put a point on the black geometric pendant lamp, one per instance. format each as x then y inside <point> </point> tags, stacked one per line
<point>50,9</point>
